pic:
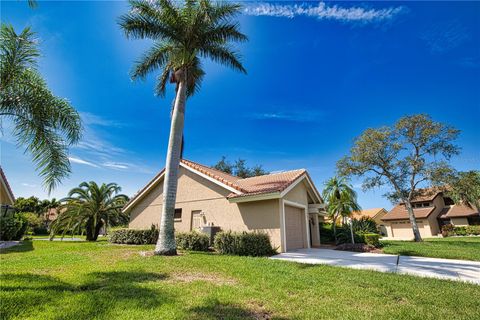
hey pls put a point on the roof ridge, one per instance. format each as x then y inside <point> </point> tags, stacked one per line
<point>272,174</point>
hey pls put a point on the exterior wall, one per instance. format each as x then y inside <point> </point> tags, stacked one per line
<point>459,222</point>
<point>4,195</point>
<point>197,193</point>
<point>402,229</point>
<point>298,194</point>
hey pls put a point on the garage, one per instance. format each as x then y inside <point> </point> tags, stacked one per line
<point>294,227</point>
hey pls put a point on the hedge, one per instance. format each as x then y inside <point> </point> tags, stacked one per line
<point>194,241</point>
<point>12,227</point>
<point>451,230</point>
<point>372,239</point>
<point>133,236</point>
<point>255,244</point>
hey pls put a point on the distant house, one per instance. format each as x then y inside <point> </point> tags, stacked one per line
<point>375,214</point>
<point>6,195</point>
<point>284,205</point>
<point>432,210</point>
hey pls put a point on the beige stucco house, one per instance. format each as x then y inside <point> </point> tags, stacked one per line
<point>284,205</point>
<point>432,210</point>
<point>6,195</point>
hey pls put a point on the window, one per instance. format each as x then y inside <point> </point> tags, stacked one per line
<point>448,201</point>
<point>177,216</point>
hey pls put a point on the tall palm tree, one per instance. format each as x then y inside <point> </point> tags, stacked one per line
<point>341,200</point>
<point>43,123</point>
<point>183,34</point>
<point>90,207</point>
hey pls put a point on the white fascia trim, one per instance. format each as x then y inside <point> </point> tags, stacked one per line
<point>268,196</point>
<point>210,179</point>
<point>295,204</point>
<point>141,194</point>
<point>7,191</point>
<point>293,185</point>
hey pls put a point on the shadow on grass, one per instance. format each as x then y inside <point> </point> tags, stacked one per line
<point>214,309</point>
<point>24,246</point>
<point>98,295</point>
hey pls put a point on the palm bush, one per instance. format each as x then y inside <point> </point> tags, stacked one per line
<point>90,207</point>
<point>364,225</point>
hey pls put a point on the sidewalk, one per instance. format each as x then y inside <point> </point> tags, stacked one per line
<point>459,270</point>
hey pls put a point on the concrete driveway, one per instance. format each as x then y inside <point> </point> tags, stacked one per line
<point>459,270</point>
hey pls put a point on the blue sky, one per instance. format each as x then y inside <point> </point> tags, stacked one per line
<point>318,75</point>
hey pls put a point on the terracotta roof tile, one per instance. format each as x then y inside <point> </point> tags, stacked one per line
<point>371,213</point>
<point>458,210</point>
<point>399,212</point>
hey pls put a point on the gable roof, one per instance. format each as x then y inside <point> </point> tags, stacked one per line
<point>6,185</point>
<point>370,213</point>
<point>399,212</point>
<point>239,187</point>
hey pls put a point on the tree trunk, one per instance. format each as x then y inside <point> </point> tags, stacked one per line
<point>166,238</point>
<point>351,231</point>
<point>335,228</point>
<point>413,221</point>
<point>89,230</point>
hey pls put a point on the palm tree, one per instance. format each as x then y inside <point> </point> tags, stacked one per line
<point>45,124</point>
<point>341,200</point>
<point>90,207</point>
<point>183,34</point>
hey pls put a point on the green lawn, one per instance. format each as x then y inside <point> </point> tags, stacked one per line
<point>80,280</point>
<point>466,248</point>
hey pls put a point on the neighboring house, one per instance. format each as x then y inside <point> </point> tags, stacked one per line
<point>6,195</point>
<point>375,214</point>
<point>432,210</point>
<point>284,205</point>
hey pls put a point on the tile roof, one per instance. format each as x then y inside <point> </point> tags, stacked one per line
<point>269,183</point>
<point>427,194</point>
<point>371,213</point>
<point>5,180</point>
<point>457,210</point>
<point>399,212</point>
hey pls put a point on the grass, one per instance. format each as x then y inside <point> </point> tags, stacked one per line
<point>465,248</point>
<point>81,280</point>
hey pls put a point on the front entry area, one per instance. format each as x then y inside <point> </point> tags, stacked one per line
<point>295,230</point>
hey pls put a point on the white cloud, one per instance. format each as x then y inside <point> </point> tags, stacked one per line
<point>29,185</point>
<point>323,12</point>
<point>81,161</point>
<point>115,165</point>
<point>294,116</point>
<point>92,119</point>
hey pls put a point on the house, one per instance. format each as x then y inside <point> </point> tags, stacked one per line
<point>376,214</point>
<point>432,210</point>
<point>6,195</point>
<point>285,205</point>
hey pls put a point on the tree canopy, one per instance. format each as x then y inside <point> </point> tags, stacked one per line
<point>239,168</point>
<point>42,123</point>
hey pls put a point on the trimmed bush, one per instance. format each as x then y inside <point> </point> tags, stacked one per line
<point>194,241</point>
<point>253,244</point>
<point>372,239</point>
<point>35,224</point>
<point>473,230</point>
<point>12,227</point>
<point>132,236</point>
<point>460,231</point>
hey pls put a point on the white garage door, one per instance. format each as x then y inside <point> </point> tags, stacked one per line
<point>294,225</point>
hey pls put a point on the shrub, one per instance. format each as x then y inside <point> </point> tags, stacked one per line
<point>12,227</point>
<point>364,225</point>
<point>344,235</point>
<point>473,230</point>
<point>326,233</point>
<point>254,244</point>
<point>447,230</point>
<point>192,241</point>
<point>460,231</point>
<point>132,236</point>
<point>372,239</point>
<point>35,224</point>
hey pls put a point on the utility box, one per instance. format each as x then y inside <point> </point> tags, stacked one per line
<point>211,231</point>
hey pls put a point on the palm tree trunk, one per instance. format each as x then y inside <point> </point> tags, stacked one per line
<point>351,231</point>
<point>413,222</point>
<point>166,237</point>
<point>335,228</point>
